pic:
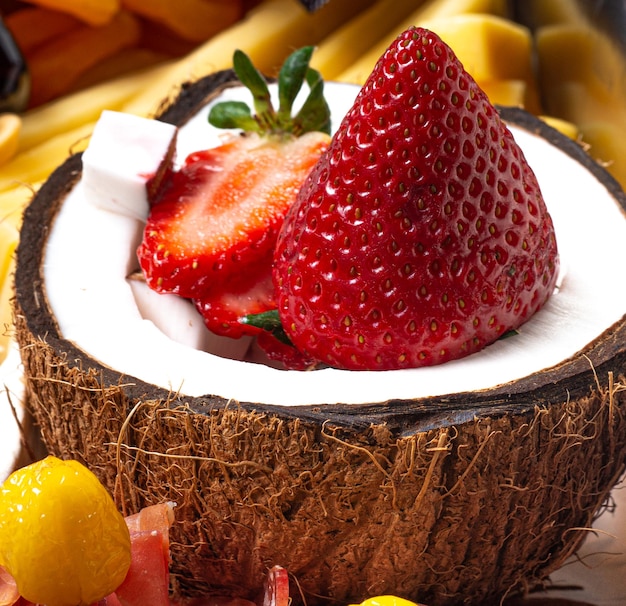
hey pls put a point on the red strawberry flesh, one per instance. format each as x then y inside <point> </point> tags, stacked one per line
<point>223,311</point>
<point>421,236</point>
<point>221,212</point>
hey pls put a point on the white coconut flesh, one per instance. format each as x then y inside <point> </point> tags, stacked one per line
<point>11,411</point>
<point>161,339</point>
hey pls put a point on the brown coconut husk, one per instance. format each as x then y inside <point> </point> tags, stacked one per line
<point>461,499</point>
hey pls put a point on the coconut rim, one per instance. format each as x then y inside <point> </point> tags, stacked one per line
<point>576,375</point>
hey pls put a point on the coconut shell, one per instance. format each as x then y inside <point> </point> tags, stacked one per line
<point>459,499</point>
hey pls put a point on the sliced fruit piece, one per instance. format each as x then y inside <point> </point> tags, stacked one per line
<point>606,145</point>
<point>346,44</point>
<point>577,53</point>
<point>428,11</point>
<point>490,47</point>
<point>93,12</point>
<point>153,518</point>
<point>10,127</point>
<point>511,93</point>
<point>223,311</point>
<point>125,162</point>
<point>268,34</point>
<point>212,230</point>
<point>147,582</point>
<point>556,12</point>
<point>219,215</point>
<point>581,74</point>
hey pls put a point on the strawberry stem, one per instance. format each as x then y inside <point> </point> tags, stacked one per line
<point>314,115</point>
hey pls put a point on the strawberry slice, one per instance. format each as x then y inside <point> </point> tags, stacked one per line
<point>214,223</point>
<point>219,215</point>
<point>224,310</point>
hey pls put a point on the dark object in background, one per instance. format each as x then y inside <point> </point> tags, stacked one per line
<point>313,5</point>
<point>14,76</point>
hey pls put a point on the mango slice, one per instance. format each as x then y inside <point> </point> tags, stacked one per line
<point>581,74</point>
<point>429,11</point>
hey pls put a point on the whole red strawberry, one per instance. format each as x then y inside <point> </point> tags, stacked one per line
<point>421,235</point>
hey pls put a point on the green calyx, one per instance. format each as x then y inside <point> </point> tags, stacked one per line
<point>270,322</point>
<point>313,115</point>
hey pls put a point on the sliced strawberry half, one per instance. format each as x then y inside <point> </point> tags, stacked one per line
<point>220,214</point>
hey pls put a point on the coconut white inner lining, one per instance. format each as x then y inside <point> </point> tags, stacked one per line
<point>159,338</point>
<point>11,396</point>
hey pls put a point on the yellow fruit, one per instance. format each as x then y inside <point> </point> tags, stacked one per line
<point>581,73</point>
<point>556,11</point>
<point>387,600</point>
<point>607,145</point>
<point>10,125</point>
<point>426,12</point>
<point>490,47</point>
<point>511,93</point>
<point>61,536</point>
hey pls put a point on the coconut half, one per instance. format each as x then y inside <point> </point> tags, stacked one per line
<point>461,483</point>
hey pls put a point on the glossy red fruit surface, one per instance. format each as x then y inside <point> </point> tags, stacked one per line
<point>421,236</point>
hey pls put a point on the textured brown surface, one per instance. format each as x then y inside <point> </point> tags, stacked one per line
<point>460,499</point>
<point>468,511</point>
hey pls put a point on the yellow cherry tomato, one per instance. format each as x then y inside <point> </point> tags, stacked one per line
<point>61,536</point>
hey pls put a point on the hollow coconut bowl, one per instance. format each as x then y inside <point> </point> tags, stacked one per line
<point>459,483</point>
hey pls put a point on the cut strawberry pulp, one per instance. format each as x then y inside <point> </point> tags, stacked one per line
<point>220,213</point>
<point>213,225</point>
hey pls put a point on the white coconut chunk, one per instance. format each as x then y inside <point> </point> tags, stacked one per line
<point>11,410</point>
<point>188,328</point>
<point>590,229</point>
<point>125,151</point>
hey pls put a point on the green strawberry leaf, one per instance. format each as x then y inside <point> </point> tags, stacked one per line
<point>233,114</point>
<point>254,81</point>
<point>314,115</point>
<point>290,80</point>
